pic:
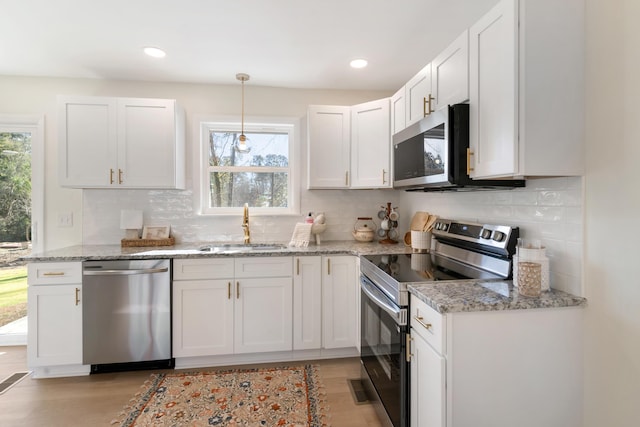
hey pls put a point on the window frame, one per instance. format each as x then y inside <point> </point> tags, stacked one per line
<point>204,125</point>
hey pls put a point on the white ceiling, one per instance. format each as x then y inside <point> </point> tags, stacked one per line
<point>283,43</point>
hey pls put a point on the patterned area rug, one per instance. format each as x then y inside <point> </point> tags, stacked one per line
<point>286,396</point>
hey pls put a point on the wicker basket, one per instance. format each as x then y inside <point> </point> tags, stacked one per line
<point>420,241</point>
<point>132,243</point>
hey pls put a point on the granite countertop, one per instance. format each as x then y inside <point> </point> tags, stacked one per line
<point>474,295</point>
<point>192,250</point>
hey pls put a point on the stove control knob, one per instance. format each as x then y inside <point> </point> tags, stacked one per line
<point>444,226</point>
<point>498,236</point>
<point>485,234</point>
<point>438,225</point>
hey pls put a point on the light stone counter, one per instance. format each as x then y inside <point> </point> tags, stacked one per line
<point>473,295</point>
<point>191,250</point>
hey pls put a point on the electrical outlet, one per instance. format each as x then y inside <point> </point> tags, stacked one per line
<point>65,219</point>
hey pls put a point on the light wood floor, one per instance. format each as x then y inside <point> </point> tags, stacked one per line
<point>95,400</point>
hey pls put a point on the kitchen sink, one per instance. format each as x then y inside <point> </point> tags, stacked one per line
<point>241,247</point>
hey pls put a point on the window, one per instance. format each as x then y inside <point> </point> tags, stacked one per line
<point>260,174</point>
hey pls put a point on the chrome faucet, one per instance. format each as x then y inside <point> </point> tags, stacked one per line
<point>245,224</point>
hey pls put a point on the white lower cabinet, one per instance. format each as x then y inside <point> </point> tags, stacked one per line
<point>248,311</point>
<point>202,317</point>
<point>340,312</point>
<point>263,315</point>
<point>55,318</point>
<point>496,368</point>
<point>307,303</point>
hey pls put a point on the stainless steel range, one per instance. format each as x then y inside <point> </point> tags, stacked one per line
<point>460,250</point>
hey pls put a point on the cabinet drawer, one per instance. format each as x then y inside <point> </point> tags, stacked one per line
<point>428,323</point>
<point>204,268</point>
<point>264,267</point>
<point>54,273</point>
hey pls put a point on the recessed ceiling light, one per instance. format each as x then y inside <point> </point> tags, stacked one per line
<point>155,52</point>
<point>358,63</point>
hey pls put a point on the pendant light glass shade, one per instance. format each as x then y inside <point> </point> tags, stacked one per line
<point>242,144</point>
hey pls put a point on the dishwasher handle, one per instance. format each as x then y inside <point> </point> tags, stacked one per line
<point>124,272</point>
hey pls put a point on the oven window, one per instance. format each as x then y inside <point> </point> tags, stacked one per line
<point>382,354</point>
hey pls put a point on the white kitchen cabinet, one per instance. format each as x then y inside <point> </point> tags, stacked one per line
<point>495,368</point>
<point>307,303</point>
<point>340,312</point>
<point>121,143</point>
<point>202,317</point>
<point>370,145</point>
<point>329,146</point>
<point>450,73</point>
<point>526,90</point>
<point>263,318</point>
<point>54,310</point>
<point>427,384</point>
<point>398,109</point>
<point>232,306</point>
<point>419,99</point>
<point>349,147</point>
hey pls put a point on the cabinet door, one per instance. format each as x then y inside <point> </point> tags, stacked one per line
<point>202,317</point>
<point>418,91</point>
<point>263,315</point>
<point>340,312</point>
<point>428,395</point>
<point>87,139</point>
<point>370,145</point>
<point>329,132</point>
<point>146,143</point>
<point>55,325</point>
<point>451,73</point>
<point>307,303</point>
<point>398,109</point>
<point>493,84</point>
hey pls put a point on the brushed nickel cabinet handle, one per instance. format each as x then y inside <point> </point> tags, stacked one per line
<point>110,176</point>
<point>119,176</point>
<point>384,181</point>
<point>77,296</point>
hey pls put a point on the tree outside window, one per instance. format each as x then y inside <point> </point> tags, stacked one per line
<point>259,175</point>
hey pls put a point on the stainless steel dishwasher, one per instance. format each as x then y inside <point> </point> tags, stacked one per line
<point>126,315</point>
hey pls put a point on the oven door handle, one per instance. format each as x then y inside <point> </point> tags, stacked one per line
<point>380,300</point>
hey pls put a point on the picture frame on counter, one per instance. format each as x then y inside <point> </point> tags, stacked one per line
<point>155,232</point>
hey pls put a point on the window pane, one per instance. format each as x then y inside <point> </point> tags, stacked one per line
<point>234,189</point>
<point>263,149</point>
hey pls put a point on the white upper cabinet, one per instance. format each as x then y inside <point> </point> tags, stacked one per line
<point>526,80</point>
<point>121,143</point>
<point>450,73</point>
<point>370,145</point>
<point>349,147</point>
<point>419,101</point>
<point>329,146</point>
<point>398,109</point>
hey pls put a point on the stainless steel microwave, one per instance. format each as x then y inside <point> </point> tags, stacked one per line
<point>431,155</point>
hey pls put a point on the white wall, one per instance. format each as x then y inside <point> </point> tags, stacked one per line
<point>612,205</point>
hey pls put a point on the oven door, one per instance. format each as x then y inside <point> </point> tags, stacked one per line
<point>383,354</point>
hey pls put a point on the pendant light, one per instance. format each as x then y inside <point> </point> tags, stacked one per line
<point>242,145</point>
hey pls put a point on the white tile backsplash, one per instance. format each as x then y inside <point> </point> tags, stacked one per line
<point>549,209</point>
